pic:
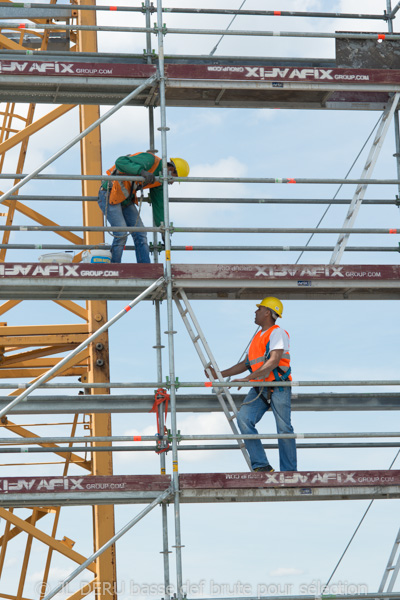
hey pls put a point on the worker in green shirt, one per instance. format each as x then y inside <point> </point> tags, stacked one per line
<point>117,199</point>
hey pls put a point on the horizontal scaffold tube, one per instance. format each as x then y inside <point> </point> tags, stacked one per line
<point>288,180</point>
<point>201,447</point>
<point>385,201</point>
<point>280,248</point>
<point>204,248</point>
<point>54,228</point>
<point>209,11</point>
<point>328,595</point>
<point>207,384</point>
<point>232,32</point>
<point>222,436</point>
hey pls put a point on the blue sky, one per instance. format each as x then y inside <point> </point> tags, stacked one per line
<point>271,544</point>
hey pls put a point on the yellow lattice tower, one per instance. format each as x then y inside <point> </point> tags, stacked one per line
<point>29,351</point>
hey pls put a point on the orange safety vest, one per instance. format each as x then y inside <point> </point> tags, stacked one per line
<point>259,353</point>
<point>122,190</point>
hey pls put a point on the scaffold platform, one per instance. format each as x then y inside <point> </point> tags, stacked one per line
<point>233,82</point>
<point>39,281</point>
<point>200,488</point>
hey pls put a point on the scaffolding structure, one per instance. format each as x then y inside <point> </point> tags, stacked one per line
<point>51,56</point>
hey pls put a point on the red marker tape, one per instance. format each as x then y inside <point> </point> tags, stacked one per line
<point>381,36</point>
<point>21,26</point>
<point>188,247</point>
<point>113,8</point>
<point>277,12</point>
<point>127,308</point>
<point>291,181</point>
<point>208,384</point>
<point>392,230</point>
<point>137,438</point>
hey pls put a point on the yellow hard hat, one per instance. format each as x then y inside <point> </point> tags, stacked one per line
<point>273,303</point>
<point>181,166</point>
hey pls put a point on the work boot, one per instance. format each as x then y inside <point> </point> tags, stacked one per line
<point>266,468</point>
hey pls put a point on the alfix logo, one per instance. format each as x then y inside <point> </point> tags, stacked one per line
<point>327,271</point>
<point>14,66</point>
<point>282,478</point>
<point>288,73</point>
<point>44,485</point>
<point>34,271</point>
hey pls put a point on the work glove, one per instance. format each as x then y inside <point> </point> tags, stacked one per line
<point>148,177</point>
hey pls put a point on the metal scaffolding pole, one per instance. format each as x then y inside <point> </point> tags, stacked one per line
<point>396,114</point>
<point>100,177</point>
<point>157,249</point>
<point>158,346</point>
<point>173,229</point>
<point>219,200</point>
<point>191,447</point>
<point>81,346</point>
<point>206,384</point>
<point>213,437</point>
<point>168,275</point>
<point>208,11</point>
<point>160,29</point>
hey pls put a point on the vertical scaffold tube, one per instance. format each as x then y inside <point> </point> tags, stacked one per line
<point>158,346</point>
<point>396,114</point>
<point>175,475</point>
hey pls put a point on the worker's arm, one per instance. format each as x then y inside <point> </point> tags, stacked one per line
<point>235,370</point>
<point>133,165</point>
<point>263,371</point>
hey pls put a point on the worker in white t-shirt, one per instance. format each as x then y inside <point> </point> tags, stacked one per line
<point>268,359</point>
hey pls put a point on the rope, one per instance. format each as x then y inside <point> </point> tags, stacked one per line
<point>341,185</point>
<point>220,39</point>
<point>355,532</point>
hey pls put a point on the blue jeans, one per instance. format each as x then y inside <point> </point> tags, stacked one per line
<point>252,411</point>
<point>124,216</point>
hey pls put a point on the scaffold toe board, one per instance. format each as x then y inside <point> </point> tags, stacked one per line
<point>217,282</point>
<point>200,487</point>
<point>211,82</point>
<point>40,281</point>
<point>297,282</point>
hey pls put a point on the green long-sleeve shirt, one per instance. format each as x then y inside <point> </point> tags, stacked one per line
<point>132,165</point>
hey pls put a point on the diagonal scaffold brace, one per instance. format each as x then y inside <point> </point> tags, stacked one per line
<point>154,286</point>
<point>159,500</point>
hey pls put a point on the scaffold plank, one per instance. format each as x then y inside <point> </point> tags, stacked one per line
<point>233,282</point>
<point>200,487</point>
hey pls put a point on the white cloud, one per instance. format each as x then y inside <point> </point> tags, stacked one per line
<point>225,214</point>
<point>56,574</point>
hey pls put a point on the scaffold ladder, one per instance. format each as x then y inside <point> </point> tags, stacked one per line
<point>366,174</point>
<point>207,359</point>
<point>392,568</point>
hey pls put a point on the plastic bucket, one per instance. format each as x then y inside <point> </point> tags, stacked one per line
<point>56,257</point>
<point>96,256</point>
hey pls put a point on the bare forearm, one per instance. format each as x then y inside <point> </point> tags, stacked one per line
<point>235,370</point>
<point>266,369</point>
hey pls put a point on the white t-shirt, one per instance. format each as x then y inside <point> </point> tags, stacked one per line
<point>279,340</point>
